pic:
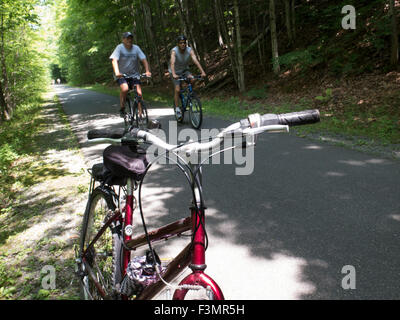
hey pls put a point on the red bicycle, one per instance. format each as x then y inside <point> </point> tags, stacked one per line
<point>105,264</point>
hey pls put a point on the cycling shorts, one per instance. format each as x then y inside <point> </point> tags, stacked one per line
<point>130,81</point>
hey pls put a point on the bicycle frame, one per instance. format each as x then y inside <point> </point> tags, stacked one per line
<point>193,255</point>
<point>186,93</point>
<point>136,102</point>
<point>136,99</point>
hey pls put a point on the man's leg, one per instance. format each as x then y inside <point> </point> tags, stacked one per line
<point>176,95</point>
<point>122,95</point>
<point>139,91</point>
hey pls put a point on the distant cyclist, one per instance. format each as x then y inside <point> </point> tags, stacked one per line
<point>125,60</point>
<point>179,66</point>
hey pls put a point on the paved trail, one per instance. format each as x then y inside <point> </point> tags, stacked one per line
<point>287,230</point>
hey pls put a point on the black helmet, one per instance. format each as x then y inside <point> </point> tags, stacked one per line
<point>180,38</point>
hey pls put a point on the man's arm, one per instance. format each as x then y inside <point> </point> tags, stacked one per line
<point>173,54</point>
<point>114,63</point>
<point>197,63</point>
<point>146,67</point>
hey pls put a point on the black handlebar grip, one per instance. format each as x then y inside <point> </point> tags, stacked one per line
<point>116,133</point>
<point>291,119</point>
<point>299,118</point>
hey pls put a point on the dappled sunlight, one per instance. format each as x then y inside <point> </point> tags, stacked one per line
<point>154,112</point>
<point>334,174</point>
<point>395,217</point>
<point>102,121</point>
<point>153,198</point>
<point>355,163</point>
<point>76,94</point>
<point>360,163</point>
<point>313,147</point>
<point>281,275</point>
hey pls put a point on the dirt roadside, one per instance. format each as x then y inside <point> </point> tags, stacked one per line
<point>40,232</point>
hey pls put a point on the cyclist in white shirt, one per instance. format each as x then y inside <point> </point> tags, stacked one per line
<point>125,60</point>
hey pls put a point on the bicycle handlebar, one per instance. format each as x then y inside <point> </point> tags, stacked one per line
<point>143,75</point>
<point>186,79</point>
<point>290,119</point>
<point>253,125</point>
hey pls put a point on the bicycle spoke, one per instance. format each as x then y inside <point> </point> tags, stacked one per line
<point>195,112</point>
<point>100,262</point>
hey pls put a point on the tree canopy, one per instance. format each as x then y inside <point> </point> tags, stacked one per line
<point>236,41</point>
<point>22,55</point>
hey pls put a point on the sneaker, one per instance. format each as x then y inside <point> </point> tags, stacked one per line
<point>141,119</point>
<point>178,112</point>
<point>122,113</point>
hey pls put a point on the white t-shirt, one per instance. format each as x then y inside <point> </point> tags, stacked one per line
<point>128,60</point>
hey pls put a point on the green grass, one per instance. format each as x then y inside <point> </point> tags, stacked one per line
<point>17,142</point>
<point>24,143</point>
<point>379,126</point>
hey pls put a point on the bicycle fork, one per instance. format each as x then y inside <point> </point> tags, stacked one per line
<point>198,260</point>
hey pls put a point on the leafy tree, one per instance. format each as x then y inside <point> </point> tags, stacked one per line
<point>22,62</point>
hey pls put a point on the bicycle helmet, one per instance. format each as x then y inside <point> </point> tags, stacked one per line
<point>181,38</point>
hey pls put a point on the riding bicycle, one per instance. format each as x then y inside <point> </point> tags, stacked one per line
<point>104,263</point>
<point>136,115</point>
<point>189,100</point>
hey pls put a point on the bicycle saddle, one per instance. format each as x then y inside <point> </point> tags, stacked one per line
<point>123,162</point>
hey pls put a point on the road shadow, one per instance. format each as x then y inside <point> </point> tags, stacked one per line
<point>327,206</point>
<point>322,205</point>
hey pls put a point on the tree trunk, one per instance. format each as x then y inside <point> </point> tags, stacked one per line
<point>202,48</point>
<point>288,20</point>
<point>165,43</point>
<point>293,20</point>
<point>6,109</point>
<point>394,55</point>
<point>256,40</point>
<point>260,56</point>
<point>239,55</point>
<point>183,14</point>
<point>274,40</point>
<point>225,35</point>
<point>149,29</point>
<point>220,39</point>
<point>181,17</point>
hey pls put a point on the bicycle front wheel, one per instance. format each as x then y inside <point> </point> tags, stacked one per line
<point>195,112</point>
<point>141,120</point>
<point>129,112</point>
<point>103,268</point>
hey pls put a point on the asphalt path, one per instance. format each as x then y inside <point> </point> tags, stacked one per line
<point>312,221</point>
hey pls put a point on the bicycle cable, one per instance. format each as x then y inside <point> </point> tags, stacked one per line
<point>191,183</point>
<point>193,180</point>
